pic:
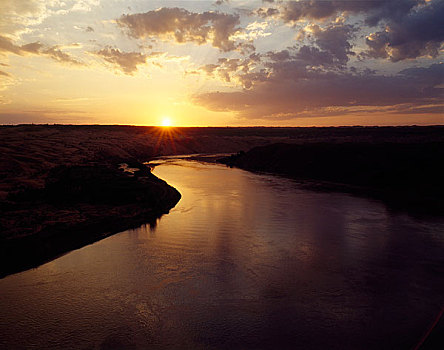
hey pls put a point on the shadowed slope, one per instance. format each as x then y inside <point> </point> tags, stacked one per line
<point>406,175</point>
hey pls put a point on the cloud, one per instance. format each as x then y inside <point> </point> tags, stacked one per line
<point>411,28</point>
<point>329,53</point>
<point>15,15</point>
<point>253,31</point>
<point>184,26</point>
<point>4,74</point>
<point>239,71</point>
<point>84,5</point>
<point>415,34</point>
<point>291,90</point>
<point>426,76</point>
<point>56,54</point>
<point>6,45</point>
<point>333,40</point>
<point>19,16</point>
<point>315,56</point>
<point>294,11</point>
<point>125,61</point>
<point>265,12</point>
<point>320,10</point>
<point>221,2</point>
<point>36,48</point>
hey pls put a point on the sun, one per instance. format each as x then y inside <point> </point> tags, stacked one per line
<point>166,122</point>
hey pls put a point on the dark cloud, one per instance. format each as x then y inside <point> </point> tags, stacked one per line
<point>433,75</point>
<point>184,26</point>
<point>290,90</point>
<point>221,2</point>
<point>239,70</point>
<point>36,48</point>
<point>330,53</point>
<point>266,12</point>
<point>415,34</point>
<point>412,28</point>
<point>291,63</point>
<point>282,55</point>
<point>390,10</point>
<point>334,40</point>
<point>294,11</point>
<point>125,61</point>
<point>315,56</point>
<point>374,10</point>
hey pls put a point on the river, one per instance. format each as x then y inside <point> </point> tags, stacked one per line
<point>245,261</point>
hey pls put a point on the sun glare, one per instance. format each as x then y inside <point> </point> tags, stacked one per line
<point>166,122</point>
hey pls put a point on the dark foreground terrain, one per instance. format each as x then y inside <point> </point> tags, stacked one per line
<point>78,205</point>
<point>406,175</point>
<point>64,186</point>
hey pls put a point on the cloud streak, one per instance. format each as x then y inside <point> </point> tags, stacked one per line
<point>4,74</point>
<point>36,48</point>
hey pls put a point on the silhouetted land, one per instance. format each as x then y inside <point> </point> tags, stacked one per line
<point>78,205</point>
<point>61,186</point>
<point>406,175</point>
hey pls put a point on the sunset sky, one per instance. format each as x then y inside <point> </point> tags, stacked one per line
<point>219,63</point>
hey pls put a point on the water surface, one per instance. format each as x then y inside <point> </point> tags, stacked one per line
<point>243,261</point>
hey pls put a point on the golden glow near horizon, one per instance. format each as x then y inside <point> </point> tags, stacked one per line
<point>249,63</point>
<point>166,122</point>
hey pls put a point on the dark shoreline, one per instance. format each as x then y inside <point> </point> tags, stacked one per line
<point>80,205</point>
<point>20,254</point>
<point>406,177</point>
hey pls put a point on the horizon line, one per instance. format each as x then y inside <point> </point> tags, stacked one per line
<point>228,126</point>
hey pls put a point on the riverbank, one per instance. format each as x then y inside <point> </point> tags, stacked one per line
<point>407,176</point>
<point>78,205</point>
<point>63,187</point>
